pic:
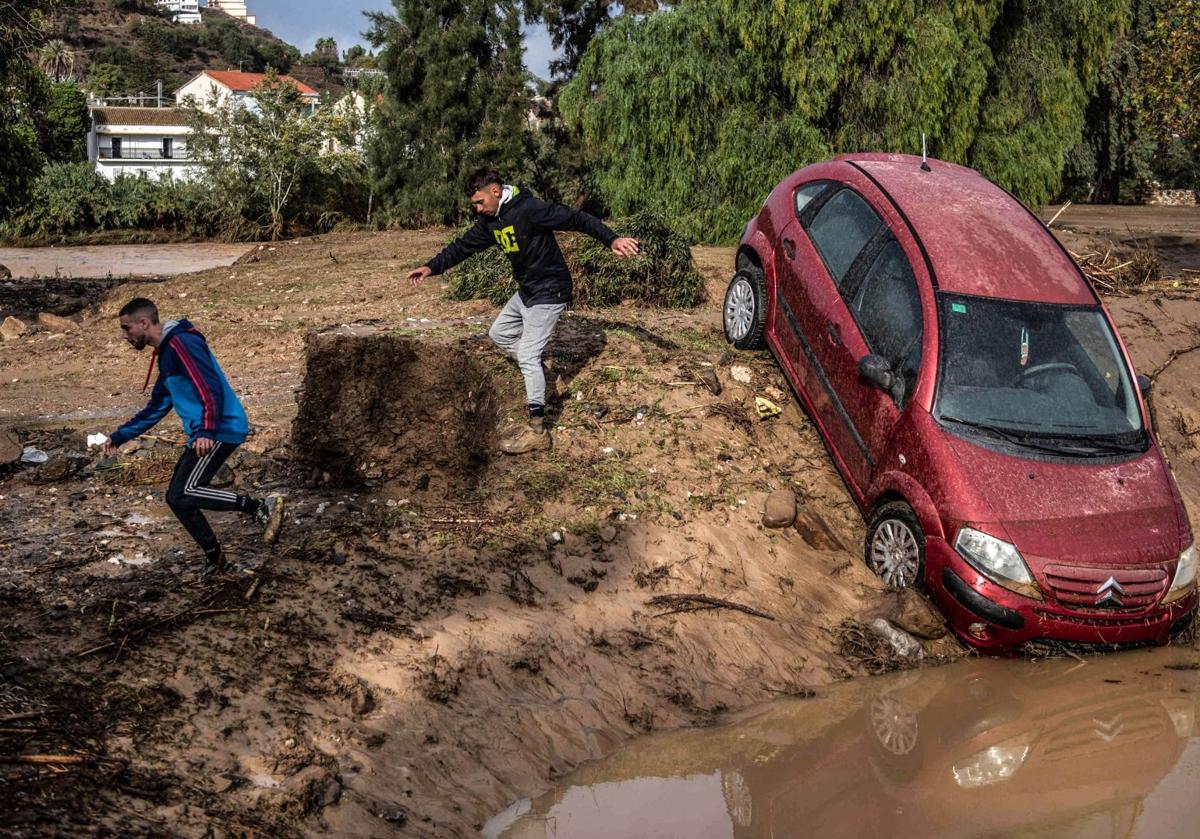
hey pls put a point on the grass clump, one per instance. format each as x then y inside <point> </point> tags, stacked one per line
<point>662,275</point>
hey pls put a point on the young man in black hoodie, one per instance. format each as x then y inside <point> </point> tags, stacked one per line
<point>523,227</point>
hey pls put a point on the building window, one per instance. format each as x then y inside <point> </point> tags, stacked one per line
<point>166,148</point>
<point>116,148</point>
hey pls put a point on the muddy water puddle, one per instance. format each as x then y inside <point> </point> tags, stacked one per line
<point>1103,747</point>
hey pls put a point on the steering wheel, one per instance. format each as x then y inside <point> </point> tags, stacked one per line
<point>1039,369</point>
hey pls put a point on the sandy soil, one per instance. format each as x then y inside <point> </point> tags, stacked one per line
<point>414,655</point>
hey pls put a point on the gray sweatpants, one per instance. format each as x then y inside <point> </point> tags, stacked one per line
<point>522,332</point>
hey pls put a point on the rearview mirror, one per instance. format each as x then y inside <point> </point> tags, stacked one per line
<point>1144,384</point>
<point>876,370</point>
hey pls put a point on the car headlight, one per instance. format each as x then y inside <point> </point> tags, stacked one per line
<point>1185,575</point>
<point>993,764</point>
<point>997,560</point>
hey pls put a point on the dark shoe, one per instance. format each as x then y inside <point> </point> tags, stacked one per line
<point>270,516</point>
<point>530,438</point>
<point>213,566</point>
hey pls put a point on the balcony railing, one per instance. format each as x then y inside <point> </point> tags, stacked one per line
<point>142,154</point>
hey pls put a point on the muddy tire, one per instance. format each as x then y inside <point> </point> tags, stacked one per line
<point>744,314</point>
<point>895,546</point>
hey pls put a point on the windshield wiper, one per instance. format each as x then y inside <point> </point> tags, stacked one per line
<point>1027,440</point>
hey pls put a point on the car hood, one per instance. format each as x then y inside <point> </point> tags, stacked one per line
<point>1080,512</point>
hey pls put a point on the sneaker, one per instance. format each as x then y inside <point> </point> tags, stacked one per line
<point>213,566</point>
<point>530,438</point>
<point>269,516</point>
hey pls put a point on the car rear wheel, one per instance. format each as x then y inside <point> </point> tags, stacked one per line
<point>895,548</point>
<point>745,310</point>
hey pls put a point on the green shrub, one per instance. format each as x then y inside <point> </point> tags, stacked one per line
<point>662,274</point>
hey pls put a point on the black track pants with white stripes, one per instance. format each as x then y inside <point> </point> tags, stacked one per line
<point>189,493</point>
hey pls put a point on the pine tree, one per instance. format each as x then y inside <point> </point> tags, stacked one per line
<point>455,100</point>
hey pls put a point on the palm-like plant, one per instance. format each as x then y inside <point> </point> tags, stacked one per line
<point>57,60</point>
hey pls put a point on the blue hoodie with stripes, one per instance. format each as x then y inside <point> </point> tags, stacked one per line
<point>190,381</point>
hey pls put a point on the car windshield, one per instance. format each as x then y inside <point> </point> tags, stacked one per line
<point>1035,373</point>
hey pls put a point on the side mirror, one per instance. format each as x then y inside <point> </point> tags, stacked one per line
<point>1144,385</point>
<point>876,370</point>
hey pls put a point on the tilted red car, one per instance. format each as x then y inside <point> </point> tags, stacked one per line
<point>976,398</point>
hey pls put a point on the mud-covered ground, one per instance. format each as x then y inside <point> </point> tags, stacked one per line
<point>420,650</point>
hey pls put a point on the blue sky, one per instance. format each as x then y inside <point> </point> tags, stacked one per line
<point>302,22</point>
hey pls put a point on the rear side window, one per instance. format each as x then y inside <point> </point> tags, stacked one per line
<point>840,229</point>
<point>887,307</point>
<point>806,193</point>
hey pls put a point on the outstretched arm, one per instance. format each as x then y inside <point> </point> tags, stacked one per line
<point>470,243</point>
<point>143,420</point>
<point>559,217</point>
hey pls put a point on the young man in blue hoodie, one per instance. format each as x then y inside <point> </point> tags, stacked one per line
<point>190,381</point>
<point>523,227</point>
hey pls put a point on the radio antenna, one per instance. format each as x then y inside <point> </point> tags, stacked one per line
<point>924,156</point>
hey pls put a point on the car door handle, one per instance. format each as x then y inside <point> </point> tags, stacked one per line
<point>789,247</point>
<point>835,333</point>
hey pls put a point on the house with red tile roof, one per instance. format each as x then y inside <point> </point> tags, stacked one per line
<point>216,87</point>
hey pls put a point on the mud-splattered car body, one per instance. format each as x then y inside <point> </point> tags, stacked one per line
<point>973,392</point>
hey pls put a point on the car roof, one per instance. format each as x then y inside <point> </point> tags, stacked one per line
<point>980,240</point>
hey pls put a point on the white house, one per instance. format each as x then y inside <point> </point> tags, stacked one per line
<point>219,86</point>
<point>233,8</point>
<point>357,109</point>
<point>133,141</point>
<point>182,11</point>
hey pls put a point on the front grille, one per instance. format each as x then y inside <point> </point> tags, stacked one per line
<point>1106,589</point>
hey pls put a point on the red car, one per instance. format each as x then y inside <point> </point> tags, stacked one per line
<point>976,398</point>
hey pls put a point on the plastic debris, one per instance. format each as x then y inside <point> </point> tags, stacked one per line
<point>741,374</point>
<point>35,456</point>
<point>766,408</point>
<point>903,643</point>
<point>96,440</point>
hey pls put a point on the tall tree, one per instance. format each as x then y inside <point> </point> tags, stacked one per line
<point>701,108</point>
<point>573,23</point>
<point>455,100</point>
<point>22,97</point>
<point>260,155</point>
<point>57,59</point>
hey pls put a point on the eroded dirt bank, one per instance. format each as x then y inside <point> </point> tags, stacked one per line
<point>417,652</point>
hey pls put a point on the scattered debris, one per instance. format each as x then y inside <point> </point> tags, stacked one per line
<point>766,408</point>
<point>903,643</point>
<point>700,602</point>
<point>741,374</point>
<point>34,457</point>
<point>916,616</point>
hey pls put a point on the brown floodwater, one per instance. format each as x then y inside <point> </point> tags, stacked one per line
<point>1100,748</point>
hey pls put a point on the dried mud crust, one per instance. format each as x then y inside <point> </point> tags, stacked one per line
<point>381,408</point>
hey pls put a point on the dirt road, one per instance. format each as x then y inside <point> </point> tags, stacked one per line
<point>100,261</point>
<point>414,656</point>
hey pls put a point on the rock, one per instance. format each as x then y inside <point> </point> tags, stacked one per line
<point>554,538</point>
<point>223,478</point>
<point>361,700</point>
<point>57,324</point>
<point>903,643</point>
<point>129,447</point>
<point>330,793</point>
<point>12,329</point>
<point>394,816</point>
<point>5,274</point>
<point>607,533</point>
<point>222,783</point>
<point>707,376</point>
<point>366,738</point>
<point>779,509</point>
<point>916,616</point>
<point>10,446</point>
<point>741,374</point>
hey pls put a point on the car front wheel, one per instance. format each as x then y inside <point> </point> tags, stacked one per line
<point>745,311</point>
<point>895,548</point>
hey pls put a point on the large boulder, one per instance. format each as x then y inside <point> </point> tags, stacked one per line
<point>57,324</point>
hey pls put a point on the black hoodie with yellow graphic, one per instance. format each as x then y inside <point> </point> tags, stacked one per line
<point>523,228</point>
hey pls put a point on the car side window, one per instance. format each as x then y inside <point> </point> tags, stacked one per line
<point>840,229</point>
<point>806,193</point>
<point>887,307</point>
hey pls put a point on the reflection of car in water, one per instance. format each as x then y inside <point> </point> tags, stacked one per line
<point>974,394</point>
<point>1009,750</point>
